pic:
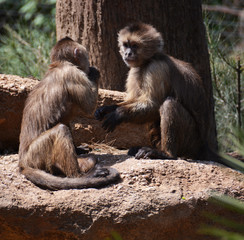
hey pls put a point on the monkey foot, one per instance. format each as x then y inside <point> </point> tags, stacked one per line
<point>99,172</point>
<point>149,153</point>
<point>134,150</point>
<point>82,149</point>
<point>87,164</point>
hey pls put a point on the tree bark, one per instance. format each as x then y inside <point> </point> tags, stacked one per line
<point>95,24</point>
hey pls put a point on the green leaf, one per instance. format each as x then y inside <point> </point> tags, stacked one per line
<point>39,20</point>
<point>225,235</point>
<point>232,162</point>
<point>228,202</point>
<point>29,7</point>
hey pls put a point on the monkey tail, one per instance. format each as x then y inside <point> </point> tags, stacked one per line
<point>46,180</point>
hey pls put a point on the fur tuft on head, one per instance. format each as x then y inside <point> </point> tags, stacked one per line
<point>145,33</point>
<point>67,49</point>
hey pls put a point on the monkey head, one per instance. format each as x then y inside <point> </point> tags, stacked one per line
<point>68,50</point>
<point>138,43</point>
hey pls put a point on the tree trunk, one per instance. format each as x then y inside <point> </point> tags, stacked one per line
<point>95,24</point>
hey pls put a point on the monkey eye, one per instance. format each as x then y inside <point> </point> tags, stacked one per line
<point>125,45</point>
<point>134,46</point>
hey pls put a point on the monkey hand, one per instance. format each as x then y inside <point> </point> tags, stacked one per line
<point>93,74</point>
<point>104,110</point>
<point>112,120</point>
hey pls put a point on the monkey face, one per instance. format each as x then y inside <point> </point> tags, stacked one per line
<point>138,43</point>
<point>129,53</point>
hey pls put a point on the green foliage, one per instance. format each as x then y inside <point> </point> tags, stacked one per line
<point>238,145</point>
<point>235,229</point>
<point>223,234</point>
<point>232,162</point>
<point>223,61</point>
<point>26,40</point>
<point>228,229</point>
<point>115,236</point>
<point>25,52</point>
<point>229,203</point>
<point>224,56</point>
<point>37,13</point>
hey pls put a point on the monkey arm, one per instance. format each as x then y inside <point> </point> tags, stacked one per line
<point>101,112</point>
<point>81,91</point>
<point>146,91</point>
<point>137,112</point>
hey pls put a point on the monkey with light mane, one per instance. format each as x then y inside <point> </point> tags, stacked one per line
<point>163,91</point>
<point>47,155</point>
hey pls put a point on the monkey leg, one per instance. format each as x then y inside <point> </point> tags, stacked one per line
<point>155,139</point>
<point>179,134</point>
<point>148,152</point>
<point>54,152</point>
<point>64,155</point>
<point>155,134</point>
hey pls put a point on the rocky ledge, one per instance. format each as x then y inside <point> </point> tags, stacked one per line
<point>156,199</point>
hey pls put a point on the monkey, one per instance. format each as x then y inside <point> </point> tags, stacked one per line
<point>162,91</point>
<point>47,155</point>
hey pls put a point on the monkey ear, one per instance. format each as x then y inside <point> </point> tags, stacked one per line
<point>77,52</point>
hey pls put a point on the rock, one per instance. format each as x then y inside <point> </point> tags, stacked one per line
<point>13,92</point>
<point>155,200</point>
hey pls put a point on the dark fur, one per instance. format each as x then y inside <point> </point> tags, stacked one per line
<point>46,145</point>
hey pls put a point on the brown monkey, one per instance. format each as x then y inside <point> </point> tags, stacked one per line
<point>46,145</point>
<point>163,91</point>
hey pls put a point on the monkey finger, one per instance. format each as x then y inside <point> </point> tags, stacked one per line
<point>110,122</point>
<point>148,155</point>
<point>111,128</point>
<point>99,114</point>
<point>140,154</point>
<point>134,150</point>
<point>108,125</point>
<point>145,153</point>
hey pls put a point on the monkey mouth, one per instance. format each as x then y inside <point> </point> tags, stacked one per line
<point>131,62</point>
<point>129,59</point>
